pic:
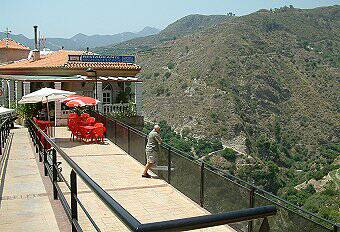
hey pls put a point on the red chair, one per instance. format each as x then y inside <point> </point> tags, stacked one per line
<point>90,121</point>
<point>84,116</point>
<point>98,134</point>
<point>86,134</point>
<point>73,125</point>
<point>72,116</point>
<point>98,124</point>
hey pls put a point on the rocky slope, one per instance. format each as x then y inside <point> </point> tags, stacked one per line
<point>248,73</point>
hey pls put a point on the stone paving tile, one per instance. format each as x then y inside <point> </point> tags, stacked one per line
<point>24,202</point>
<point>149,200</point>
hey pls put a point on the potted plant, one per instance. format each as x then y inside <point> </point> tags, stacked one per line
<point>25,111</point>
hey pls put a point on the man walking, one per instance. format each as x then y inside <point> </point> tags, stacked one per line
<point>151,149</point>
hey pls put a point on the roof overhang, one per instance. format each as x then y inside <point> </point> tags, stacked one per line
<point>76,78</point>
<point>57,71</point>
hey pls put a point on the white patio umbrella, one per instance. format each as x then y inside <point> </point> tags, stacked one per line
<point>45,95</point>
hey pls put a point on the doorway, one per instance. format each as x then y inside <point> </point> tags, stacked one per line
<point>107,98</point>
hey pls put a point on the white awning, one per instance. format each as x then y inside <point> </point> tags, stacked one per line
<point>110,78</point>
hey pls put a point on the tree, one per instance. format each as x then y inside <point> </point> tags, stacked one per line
<point>229,154</point>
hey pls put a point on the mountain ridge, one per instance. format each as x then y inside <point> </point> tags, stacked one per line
<point>184,26</point>
<point>81,41</point>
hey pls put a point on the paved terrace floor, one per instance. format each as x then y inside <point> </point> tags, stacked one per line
<point>149,200</point>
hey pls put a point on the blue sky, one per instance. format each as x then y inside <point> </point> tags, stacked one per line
<point>62,18</point>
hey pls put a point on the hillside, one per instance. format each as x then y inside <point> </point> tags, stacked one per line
<point>81,41</point>
<point>267,82</point>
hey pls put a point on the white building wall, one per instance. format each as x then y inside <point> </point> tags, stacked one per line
<point>11,93</point>
<point>4,92</point>
<point>26,87</point>
<point>18,91</point>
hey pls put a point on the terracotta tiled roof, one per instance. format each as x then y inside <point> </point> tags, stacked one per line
<point>59,59</point>
<point>9,43</point>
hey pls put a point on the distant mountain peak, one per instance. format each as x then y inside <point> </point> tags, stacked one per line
<point>80,41</point>
<point>79,35</point>
<point>146,31</point>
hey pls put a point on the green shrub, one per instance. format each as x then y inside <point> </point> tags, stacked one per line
<point>171,65</point>
<point>28,110</point>
<point>184,86</point>
<point>214,117</point>
<point>167,75</point>
<point>159,90</point>
<point>229,154</point>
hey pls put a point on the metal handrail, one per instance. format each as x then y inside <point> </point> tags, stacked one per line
<point>209,220</point>
<point>4,132</point>
<point>113,205</point>
<point>133,224</point>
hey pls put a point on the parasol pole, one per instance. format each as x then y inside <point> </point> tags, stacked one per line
<point>48,110</point>
<point>48,116</point>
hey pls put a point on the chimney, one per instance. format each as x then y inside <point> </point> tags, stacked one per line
<point>36,52</point>
<point>35,37</point>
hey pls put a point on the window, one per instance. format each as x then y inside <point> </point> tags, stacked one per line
<point>106,97</point>
<point>107,93</point>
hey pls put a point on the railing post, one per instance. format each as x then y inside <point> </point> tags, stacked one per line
<point>145,142</point>
<point>45,161</point>
<point>0,141</point>
<point>115,131</point>
<point>8,128</point>
<point>74,209</point>
<point>251,205</point>
<point>34,137</point>
<point>3,139</point>
<point>40,157</point>
<point>264,225</point>
<point>54,170</point>
<point>202,185</point>
<point>169,165</point>
<point>129,141</point>
<point>37,148</point>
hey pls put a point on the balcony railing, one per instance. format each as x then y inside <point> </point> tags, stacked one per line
<point>5,125</point>
<point>115,108</point>
<point>214,189</point>
<point>47,150</point>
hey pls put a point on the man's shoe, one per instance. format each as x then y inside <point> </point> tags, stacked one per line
<point>146,175</point>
